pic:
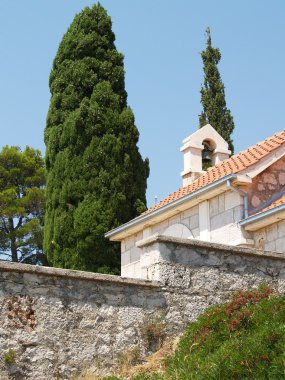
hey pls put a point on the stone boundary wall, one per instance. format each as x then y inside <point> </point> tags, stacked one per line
<point>60,322</point>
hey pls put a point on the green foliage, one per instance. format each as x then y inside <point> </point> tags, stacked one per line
<point>10,356</point>
<point>96,177</point>
<point>243,339</point>
<point>213,100</point>
<point>22,177</point>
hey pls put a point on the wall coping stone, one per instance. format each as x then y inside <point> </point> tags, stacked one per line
<point>235,250</point>
<point>75,274</point>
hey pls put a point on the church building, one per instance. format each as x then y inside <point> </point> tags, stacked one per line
<point>238,200</point>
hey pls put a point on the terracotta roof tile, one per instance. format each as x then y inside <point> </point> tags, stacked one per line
<point>233,165</point>
<point>278,202</point>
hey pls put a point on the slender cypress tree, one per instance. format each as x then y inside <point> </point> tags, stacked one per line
<point>96,178</point>
<point>215,111</point>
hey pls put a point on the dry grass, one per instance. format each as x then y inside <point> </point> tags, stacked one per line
<point>153,363</point>
<point>128,369</point>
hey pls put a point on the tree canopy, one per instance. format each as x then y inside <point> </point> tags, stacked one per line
<point>22,177</point>
<point>215,111</point>
<point>96,177</point>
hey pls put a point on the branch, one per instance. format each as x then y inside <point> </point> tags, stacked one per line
<point>19,223</point>
<point>5,226</point>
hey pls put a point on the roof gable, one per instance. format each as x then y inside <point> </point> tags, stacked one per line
<point>206,133</point>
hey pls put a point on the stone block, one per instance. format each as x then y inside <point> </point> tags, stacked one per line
<point>194,221</point>
<point>281,229</point>
<point>195,233</point>
<point>260,239</point>
<point>130,242</point>
<point>127,271</point>
<point>260,187</point>
<point>126,258</point>
<point>186,222</point>
<point>147,232</point>
<point>221,220</point>
<point>281,178</point>
<point>269,178</point>
<point>280,245</point>
<point>238,211</point>
<point>221,203</point>
<point>137,270</point>
<point>160,227</point>
<point>255,201</point>
<point>270,246</point>
<point>204,221</point>
<point>150,258</point>
<point>190,212</point>
<point>135,254</point>
<point>232,199</point>
<point>271,232</point>
<point>123,246</point>
<point>174,219</point>
<point>178,230</point>
<point>214,206</point>
<point>139,236</point>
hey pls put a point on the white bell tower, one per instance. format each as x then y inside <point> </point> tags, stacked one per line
<point>204,140</point>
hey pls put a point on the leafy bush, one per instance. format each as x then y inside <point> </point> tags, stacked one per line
<point>243,339</point>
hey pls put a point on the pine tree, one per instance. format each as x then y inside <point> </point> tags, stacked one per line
<point>213,100</point>
<point>22,177</point>
<point>96,178</point>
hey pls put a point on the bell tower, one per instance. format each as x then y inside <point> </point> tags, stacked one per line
<point>205,146</point>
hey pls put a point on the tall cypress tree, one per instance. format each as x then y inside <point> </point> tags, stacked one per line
<point>96,177</point>
<point>215,111</point>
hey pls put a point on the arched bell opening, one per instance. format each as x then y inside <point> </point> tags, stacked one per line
<point>207,153</point>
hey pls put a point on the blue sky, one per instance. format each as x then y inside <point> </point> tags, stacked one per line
<point>161,41</point>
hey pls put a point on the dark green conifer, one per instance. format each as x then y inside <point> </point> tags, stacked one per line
<point>96,178</point>
<point>215,111</point>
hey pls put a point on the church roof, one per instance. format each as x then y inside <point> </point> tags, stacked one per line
<point>232,165</point>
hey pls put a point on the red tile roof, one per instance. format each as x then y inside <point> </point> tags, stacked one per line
<point>278,202</point>
<point>233,165</point>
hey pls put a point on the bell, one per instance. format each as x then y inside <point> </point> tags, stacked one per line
<point>206,155</point>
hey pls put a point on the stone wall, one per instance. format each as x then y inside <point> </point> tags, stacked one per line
<point>60,322</point>
<point>266,186</point>
<point>271,238</point>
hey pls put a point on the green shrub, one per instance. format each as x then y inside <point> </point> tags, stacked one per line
<point>243,339</point>
<point>9,357</point>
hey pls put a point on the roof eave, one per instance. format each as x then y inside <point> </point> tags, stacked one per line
<point>140,222</point>
<point>264,219</point>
